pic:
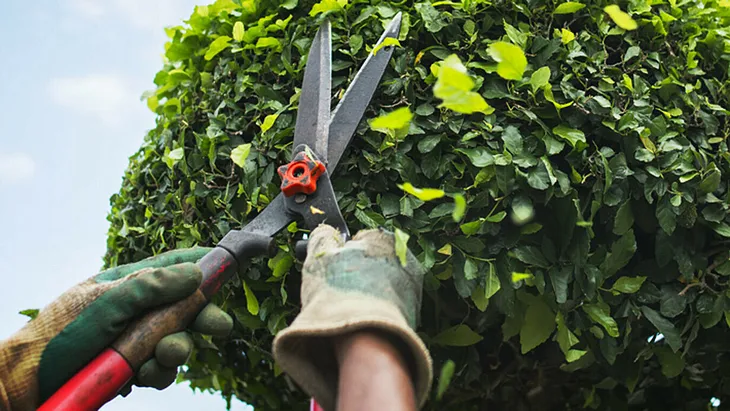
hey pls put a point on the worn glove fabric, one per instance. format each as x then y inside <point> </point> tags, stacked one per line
<point>346,287</point>
<point>87,318</point>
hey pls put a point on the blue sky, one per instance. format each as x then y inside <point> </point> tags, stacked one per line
<point>71,77</point>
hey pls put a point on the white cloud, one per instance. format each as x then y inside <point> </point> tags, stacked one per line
<point>145,14</point>
<point>104,96</point>
<point>15,167</point>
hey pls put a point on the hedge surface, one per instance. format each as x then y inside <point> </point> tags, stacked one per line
<point>590,269</point>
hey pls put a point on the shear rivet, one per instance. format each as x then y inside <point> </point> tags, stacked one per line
<point>300,198</point>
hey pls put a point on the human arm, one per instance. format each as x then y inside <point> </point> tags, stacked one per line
<point>346,288</point>
<point>373,374</point>
<point>87,318</point>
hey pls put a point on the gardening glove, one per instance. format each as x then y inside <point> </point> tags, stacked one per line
<point>86,319</point>
<point>350,286</point>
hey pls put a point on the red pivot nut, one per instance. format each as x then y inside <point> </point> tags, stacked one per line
<point>300,175</point>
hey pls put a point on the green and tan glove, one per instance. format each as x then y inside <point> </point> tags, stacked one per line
<point>346,287</point>
<point>87,318</point>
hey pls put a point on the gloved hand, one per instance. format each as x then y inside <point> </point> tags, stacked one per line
<point>87,318</point>
<point>346,287</point>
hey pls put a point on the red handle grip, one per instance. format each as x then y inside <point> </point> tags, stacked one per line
<point>100,380</point>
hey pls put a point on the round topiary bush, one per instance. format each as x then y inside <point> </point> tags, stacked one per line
<point>590,269</point>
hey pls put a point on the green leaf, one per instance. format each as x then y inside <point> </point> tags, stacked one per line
<point>621,18</point>
<point>666,217</point>
<point>711,180</point>
<point>472,227</point>
<point>560,278</point>
<point>176,154</point>
<point>497,217</point>
<point>539,324</point>
<point>252,304</point>
<point>566,340</point>
<point>459,208</point>
<point>238,31</point>
<point>671,334</point>
<point>576,138</point>
<point>548,92</point>
<point>447,372</point>
<point>566,36</point>
<point>672,363</point>
<point>722,229</point>
<point>454,85</point>
<point>633,51</point>
<point>396,119</point>
<point>622,250</point>
<point>457,336</point>
<point>515,35</point>
<point>326,6</point>
<point>480,301</point>
<point>389,41</point>
<point>517,277</point>
<point>624,219</point>
<point>432,18</point>
<point>568,7</point>
<point>172,157</point>
<point>423,194</point>
<point>218,45</point>
<point>471,269</point>
<point>510,58</point>
<point>401,246</point>
<point>478,156</point>
<point>628,285</point>
<point>268,42</point>
<point>601,313</point>
<point>531,255</point>
<point>30,313</point>
<point>268,122</point>
<point>240,154</point>
<point>492,282</point>
<point>540,78</point>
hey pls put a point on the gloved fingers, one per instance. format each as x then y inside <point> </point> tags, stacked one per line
<point>186,255</point>
<point>212,321</point>
<point>153,287</point>
<point>322,239</point>
<point>153,374</point>
<point>174,350</point>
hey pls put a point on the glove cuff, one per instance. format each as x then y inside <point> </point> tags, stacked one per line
<point>305,350</point>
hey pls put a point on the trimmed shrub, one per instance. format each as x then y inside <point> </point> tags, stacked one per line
<point>590,269</point>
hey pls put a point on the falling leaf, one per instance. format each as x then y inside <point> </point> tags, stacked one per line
<point>620,17</point>
<point>454,86</point>
<point>424,194</point>
<point>389,41</point>
<point>240,154</point>
<point>396,119</point>
<point>238,31</point>
<point>510,58</point>
<point>401,246</point>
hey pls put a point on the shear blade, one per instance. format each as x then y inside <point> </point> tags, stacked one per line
<point>349,111</point>
<point>313,115</point>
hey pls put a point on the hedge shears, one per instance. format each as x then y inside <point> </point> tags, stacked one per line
<point>320,140</point>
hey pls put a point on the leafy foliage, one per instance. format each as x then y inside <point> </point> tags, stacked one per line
<point>604,144</point>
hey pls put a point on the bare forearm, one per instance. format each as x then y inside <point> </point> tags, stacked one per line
<point>373,374</point>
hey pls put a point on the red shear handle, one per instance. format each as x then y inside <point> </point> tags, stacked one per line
<point>314,406</point>
<point>99,380</point>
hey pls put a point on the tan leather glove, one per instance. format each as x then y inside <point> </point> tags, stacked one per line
<point>346,287</point>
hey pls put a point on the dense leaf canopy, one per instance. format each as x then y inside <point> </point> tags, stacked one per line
<point>588,140</point>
